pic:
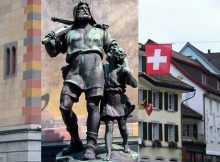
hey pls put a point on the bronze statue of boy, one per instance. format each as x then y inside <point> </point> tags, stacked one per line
<point>116,105</point>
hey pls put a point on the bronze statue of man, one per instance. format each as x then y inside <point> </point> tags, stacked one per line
<point>85,44</point>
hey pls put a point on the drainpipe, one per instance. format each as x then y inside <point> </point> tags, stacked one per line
<point>182,118</point>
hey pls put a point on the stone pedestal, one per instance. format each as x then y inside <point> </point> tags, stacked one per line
<point>20,143</point>
<point>117,155</point>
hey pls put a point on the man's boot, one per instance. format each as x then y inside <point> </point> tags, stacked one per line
<point>75,146</point>
<point>89,153</point>
<point>70,121</point>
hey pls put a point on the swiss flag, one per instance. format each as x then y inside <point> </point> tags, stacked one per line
<point>148,108</point>
<point>158,58</point>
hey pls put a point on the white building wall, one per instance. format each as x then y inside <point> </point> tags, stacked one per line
<point>196,103</point>
<point>212,124</point>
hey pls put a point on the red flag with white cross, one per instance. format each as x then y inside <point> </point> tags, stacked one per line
<point>148,108</point>
<point>158,57</point>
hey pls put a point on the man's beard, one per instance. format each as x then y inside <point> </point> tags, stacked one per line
<point>83,17</point>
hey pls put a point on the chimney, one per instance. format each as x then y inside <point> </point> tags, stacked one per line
<point>209,51</point>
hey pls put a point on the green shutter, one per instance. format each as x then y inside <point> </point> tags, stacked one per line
<point>149,96</point>
<point>144,64</point>
<point>144,94</point>
<point>195,131</point>
<point>145,130</point>
<point>176,133</point>
<point>166,101</point>
<point>175,102</point>
<point>150,131</point>
<point>160,132</point>
<point>166,132</point>
<point>160,100</point>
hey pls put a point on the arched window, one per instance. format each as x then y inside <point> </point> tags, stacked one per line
<point>10,60</point>
<point>7,62</point>
<point>173,159</point>
<point>13,61</point>
<point>145,159</point>
<point>159,158</point>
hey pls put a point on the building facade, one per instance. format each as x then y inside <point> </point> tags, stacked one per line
<point>20,82</point>
<point>160,132</point>
<point>205,102</point>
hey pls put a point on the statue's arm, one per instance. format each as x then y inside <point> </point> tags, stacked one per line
<point>130,79</point>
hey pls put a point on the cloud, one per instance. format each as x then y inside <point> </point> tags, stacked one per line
<point>180,21</point>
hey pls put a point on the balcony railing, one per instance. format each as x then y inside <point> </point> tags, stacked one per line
<point>200,138</point>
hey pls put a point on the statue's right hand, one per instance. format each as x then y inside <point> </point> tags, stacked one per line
<point>51,35</point>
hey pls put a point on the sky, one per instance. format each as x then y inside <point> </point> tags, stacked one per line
<point>179,22</point>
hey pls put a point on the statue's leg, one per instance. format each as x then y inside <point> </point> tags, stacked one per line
<point>93,122</point>
<point>124,133</point>
<point>70,120</point>
<point>108,137</point>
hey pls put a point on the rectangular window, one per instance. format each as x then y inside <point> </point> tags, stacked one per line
<point>171,103</point>
<point>211,134</point>
<point>143,64</point>
<point>156,99</point>
<point>171,133</point>
<point>140,132</point>
<point>10,60</point>
<point>218,85</point>
<point>190,131</point>
<point>218,133</point>
<point>210,111</point>
<point>186,130</point>
<point>204,79</point>
<point>155,131</point>
<point>218,110</point>
<point>140,96</point>
<point>140,63</point>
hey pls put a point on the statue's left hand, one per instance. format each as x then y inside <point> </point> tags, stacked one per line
<point>51,35</point>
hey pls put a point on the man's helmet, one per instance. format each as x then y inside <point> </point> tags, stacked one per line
<point>92,21</point>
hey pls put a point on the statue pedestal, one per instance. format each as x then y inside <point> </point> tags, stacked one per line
<point>117,155</point>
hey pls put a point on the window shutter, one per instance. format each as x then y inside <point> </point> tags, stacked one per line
<point>175,102</point>
<point>145,130</point>
<point>160,132</point>
<point>195,131</point>
<point>160,100</point>
<point>176,133</point>
<point>144,64</point>
<point>166,101</point>
<point>144,94</point>
<point>166,132</point>
<point>150,131</point>
<point>149,96</point>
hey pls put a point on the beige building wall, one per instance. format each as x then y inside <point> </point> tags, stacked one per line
<point>12,19</point>
<point>161,152</point>
<point>20,133</point>
<point>163,117</point>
